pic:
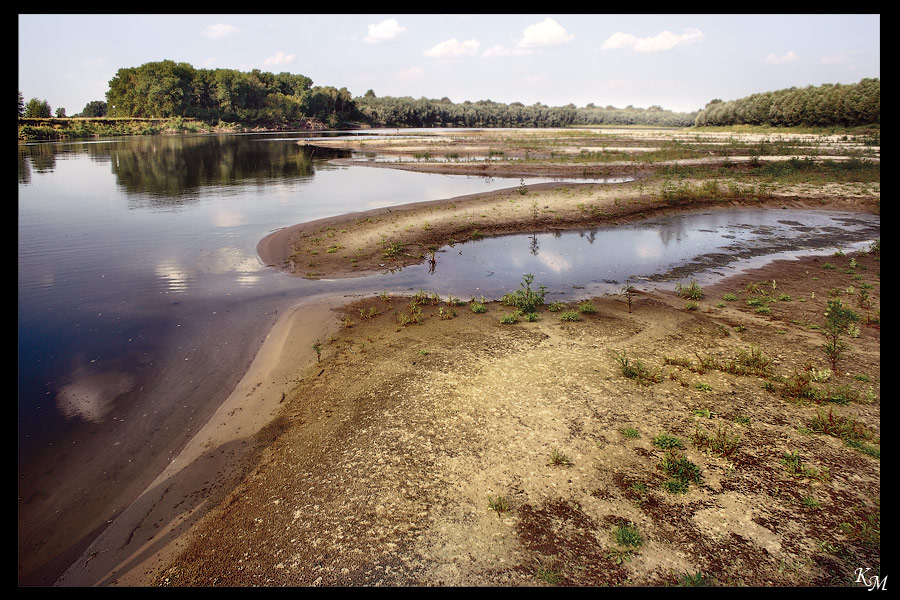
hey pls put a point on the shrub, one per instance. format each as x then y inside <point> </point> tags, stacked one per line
<point>586,308</point>
<point>627,534</point>
<point>838,320</point>
<point>692,291</point>
<point>526,299</point>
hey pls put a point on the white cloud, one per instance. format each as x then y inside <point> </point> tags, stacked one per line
<point>94,63</point>
<point>499,50</point>
<point>411,73</point>
<point>782,60</point>
<point>665,40</point>
<point>619,40</point>
<point>453,47</point>
<point>219,30</point>
<point>280,58</point>
<point>546,33</point>
<point>384,31</point>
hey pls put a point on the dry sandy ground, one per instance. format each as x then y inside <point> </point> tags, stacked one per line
<point>384,465</point>
<point>460,451</point>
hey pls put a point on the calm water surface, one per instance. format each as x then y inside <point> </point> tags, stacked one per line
<point>137,268</point>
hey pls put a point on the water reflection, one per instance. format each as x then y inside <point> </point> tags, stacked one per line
<point>173,276</point>
<point>90,393</point>
<point>162,169</point>
<point>657,250</point>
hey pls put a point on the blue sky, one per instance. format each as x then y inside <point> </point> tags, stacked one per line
<point>677,61</point>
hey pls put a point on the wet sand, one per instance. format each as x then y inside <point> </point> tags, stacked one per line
<point>149,533</point>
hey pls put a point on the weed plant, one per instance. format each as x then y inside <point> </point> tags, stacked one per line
<point>499,504</point>
<point>629,292</point>
<point>797,468</point>
<point>637,371</point>
<point>742,420</point>
<point>719,443</point>
<point>525,298</point>
<point>665,441</point>
<point>392,251</point>
<point>681,471</point>
<point>692,291</point>
<point>559,459</point>
<point>510,318</point>
<point>848,429</point>
<point>627,534</point>
<point>692,580</point>
<point>630,433</point>
<point>838,320</point>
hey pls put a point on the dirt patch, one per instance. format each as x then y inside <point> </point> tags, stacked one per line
<point>459,451</point>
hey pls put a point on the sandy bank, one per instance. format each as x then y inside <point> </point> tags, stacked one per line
<point>389,238</point>
<point>149,533</point>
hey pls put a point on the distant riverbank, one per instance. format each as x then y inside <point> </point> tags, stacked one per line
<point>56,128</point>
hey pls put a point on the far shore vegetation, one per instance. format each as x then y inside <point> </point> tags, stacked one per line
<point>169,97</point>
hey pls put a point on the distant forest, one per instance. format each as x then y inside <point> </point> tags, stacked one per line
<point>826,105</point>
<point>166,90</point>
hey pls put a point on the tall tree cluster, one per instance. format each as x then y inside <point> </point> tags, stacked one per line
<point>813,106</point>
<point>168,89</point>
<point>35,109</point>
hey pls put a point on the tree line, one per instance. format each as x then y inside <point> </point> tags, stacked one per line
<point>167,89</point>
<point>827,105</point>
<point>423,112</point>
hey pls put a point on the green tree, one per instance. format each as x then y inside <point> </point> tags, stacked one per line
<point>36,109</point>
<point>61,112</point>
<point>21,105</point>
<point>94,108</point>
<point>837,322</point>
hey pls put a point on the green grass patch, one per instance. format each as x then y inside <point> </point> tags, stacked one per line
<point>665,441</point>
<point>681,471</point>
<point>627,534</point>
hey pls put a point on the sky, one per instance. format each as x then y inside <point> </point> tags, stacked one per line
<point>677,61</point>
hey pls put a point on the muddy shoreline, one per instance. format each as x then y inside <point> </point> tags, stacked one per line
<point>386,239</point>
